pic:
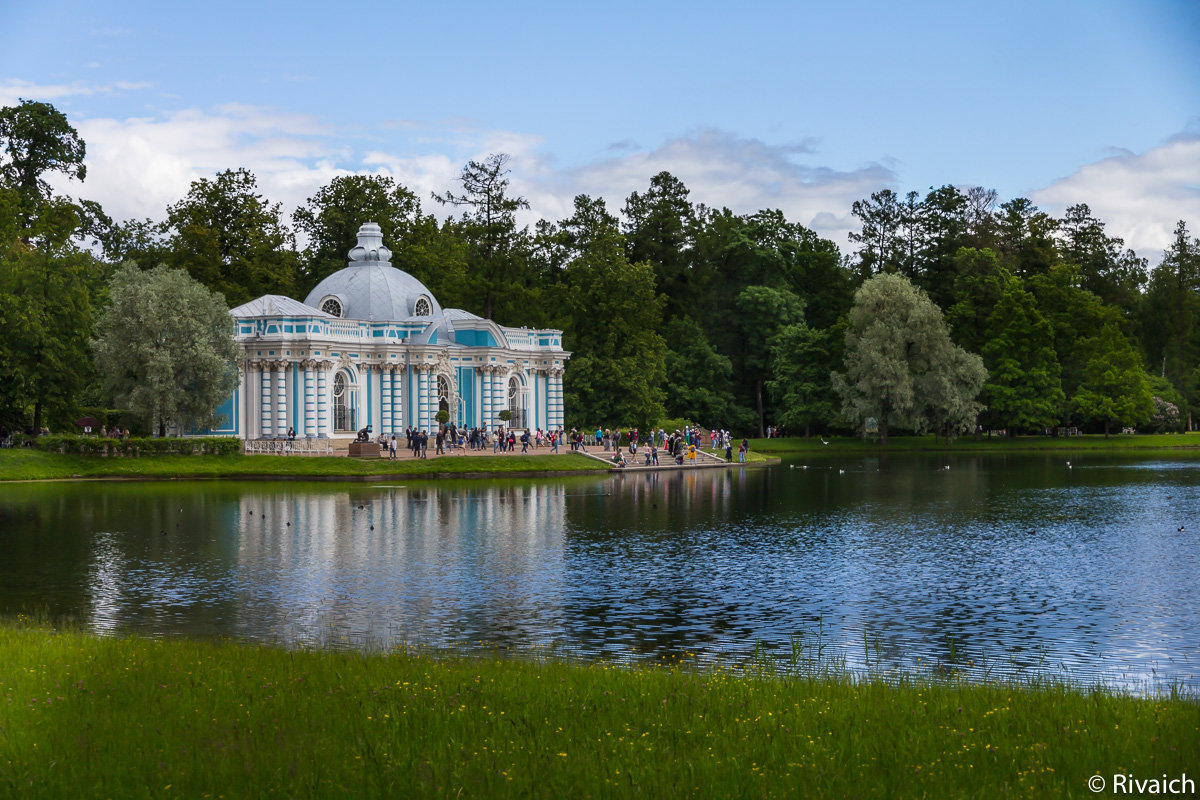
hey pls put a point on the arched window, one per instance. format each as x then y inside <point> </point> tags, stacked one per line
<point>443,390</point>
<point>422,308</point>
<point>332,306</point>
<point>343,407</point>
<point>516,403</point>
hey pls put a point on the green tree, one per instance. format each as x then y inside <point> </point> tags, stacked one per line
<point>1170,334</point>
<point>763,313</point>
<point>659,228</point>
<point>1104,267</point>
<point>699,380</point>
<point>36,139</point>
<point>46,312</point>
<point>498,267</point>
<point>613,314</point>
<point>802,359</point>
<point>1025,238</point>
<point>330,219</point>
<point>225,235</point>
<point>1115,389</point>
<point>164,347</point>
<point>1075,316</point>
<point>1023,390</point>
<point>880,246</point>
<point>901,366</point>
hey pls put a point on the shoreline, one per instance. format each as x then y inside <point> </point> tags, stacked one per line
<point>16,466</point>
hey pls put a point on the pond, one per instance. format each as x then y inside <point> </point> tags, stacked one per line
<point>1006,563</point>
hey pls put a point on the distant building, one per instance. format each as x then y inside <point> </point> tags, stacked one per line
<point>371,345</point>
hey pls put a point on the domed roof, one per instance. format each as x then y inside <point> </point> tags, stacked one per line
<point>371,288</point>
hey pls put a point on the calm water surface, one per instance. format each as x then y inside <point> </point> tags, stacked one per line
<point>1016,562</point>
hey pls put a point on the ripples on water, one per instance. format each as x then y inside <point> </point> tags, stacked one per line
<point>1000,563</point>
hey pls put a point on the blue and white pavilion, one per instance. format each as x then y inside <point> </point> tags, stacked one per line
<point>371,345</point>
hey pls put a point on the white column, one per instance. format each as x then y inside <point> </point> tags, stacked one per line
<point>556,398</point>
<point>322,400</point>
<point>281,404</point>
<point>264,400</point>
<point>398,397</point>
<point>310,401</point>
<point>485,396</point>
<point>423,397</point>
<point>499,392</point>
<point>385,380</point>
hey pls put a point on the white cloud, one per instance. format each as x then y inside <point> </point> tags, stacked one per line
<point>13,91</point>
<point>1139,196</point>
<point>138,166</point>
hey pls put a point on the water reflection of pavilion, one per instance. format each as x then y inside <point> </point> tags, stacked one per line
<point>393,564</point>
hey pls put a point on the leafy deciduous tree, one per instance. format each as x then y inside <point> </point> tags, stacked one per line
<point>901,366</point>
<point>165,348</point>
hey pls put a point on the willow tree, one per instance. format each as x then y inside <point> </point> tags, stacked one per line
<point>164,347</point>
<point>902,367</point>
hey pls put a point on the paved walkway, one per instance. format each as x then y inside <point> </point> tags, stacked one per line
<point>704,459</point>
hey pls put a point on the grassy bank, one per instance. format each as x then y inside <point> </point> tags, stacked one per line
<point>101,717</point>
<point>1020,444</point>
<point>24,464</point>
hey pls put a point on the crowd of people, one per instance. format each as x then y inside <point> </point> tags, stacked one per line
<point>681,446</point>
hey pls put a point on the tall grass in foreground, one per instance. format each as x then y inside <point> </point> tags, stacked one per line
<point>82,716</point>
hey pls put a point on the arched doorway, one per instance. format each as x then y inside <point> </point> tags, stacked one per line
<point>345,409</point>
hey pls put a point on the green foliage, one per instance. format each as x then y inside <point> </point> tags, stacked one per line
<point>762,313</point>
<point>659,229</point>
<point>699,380</point>
<point>1023,391</point>
<point>1115,389</point>
<point>1170,332</point>
<point>46,313</point>
<point>442,416</point>
<point>165,348</point>
<point>36,139</point>
<point>801,361</point>
<point>901,366</point>
<point>505,415</point>
<point>616,374</point>
<point>226,236</point>
<point>500,280</point>
<point>72,444</point>
<point>330,220</point>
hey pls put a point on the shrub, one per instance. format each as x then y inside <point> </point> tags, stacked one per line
<point>135,446</point>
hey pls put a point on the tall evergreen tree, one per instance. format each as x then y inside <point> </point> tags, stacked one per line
<point>500,281</point>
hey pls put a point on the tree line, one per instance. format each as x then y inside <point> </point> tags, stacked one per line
<point>953,310</point>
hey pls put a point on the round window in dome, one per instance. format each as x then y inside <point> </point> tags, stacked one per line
<point>422,308</point>
<point>332,306</point>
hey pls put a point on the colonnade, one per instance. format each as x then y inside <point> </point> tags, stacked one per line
<point>275,383</point>
<point>389,393</point>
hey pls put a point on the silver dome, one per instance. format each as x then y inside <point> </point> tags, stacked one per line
<point>371,288</point>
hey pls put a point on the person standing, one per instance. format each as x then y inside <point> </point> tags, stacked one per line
<point>392,448</point>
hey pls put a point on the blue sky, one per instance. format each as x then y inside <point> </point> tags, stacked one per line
<point>799,106</point>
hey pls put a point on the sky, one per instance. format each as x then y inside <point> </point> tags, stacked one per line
<point>799,106</point>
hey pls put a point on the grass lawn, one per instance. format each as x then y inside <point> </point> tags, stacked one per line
<point>82,716</point>
<point>27,464</point>
<point>913,444</point>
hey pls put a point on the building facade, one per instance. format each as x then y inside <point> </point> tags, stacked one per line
<point>370,345</point>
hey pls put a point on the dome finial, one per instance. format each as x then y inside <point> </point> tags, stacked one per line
<point>370,245</point>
